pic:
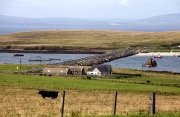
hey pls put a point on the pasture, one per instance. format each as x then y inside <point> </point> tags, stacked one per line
<point>19,94</point>
<point>87,39</point>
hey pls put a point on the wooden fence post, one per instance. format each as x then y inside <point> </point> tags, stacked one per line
<point>62,104</point>
<point>114,105</point>
<point>152,103</point>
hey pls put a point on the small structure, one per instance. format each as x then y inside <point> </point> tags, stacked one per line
<point>100,70</point>
<point>56,71</point>
<point>77,70</point>
<point>150,63</point>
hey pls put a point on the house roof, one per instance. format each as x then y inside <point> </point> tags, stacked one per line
<point>108,67</point>
<point>56,70</point>
<point>102,69</point>
<point>76,68</point>
<point>90,69</point>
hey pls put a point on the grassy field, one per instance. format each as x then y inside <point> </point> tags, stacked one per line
<point>19,98</point>
<point>156,41</point>
<point>84,97</point>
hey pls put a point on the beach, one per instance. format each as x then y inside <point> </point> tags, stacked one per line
<point>159,53</point>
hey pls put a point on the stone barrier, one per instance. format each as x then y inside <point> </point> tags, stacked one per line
<point>103,58</point>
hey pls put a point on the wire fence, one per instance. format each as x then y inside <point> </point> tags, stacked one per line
<point>27,102</point>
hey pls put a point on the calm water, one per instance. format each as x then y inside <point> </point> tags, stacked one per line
<point>167,63</point>
<point>12,29</point>
<point>9,58</point>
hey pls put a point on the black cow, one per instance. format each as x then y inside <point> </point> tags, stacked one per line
<point>52,94</point>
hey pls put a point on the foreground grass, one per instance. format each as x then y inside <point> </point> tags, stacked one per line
<point>90,98</point>
<point>161,41</point>
<point>18,102</point>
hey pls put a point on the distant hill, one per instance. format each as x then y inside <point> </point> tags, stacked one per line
<point>59,21</point>
<point>161,20</point>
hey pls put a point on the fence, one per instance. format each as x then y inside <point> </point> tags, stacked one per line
<point>26,102</point>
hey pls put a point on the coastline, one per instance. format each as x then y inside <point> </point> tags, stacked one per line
<point>159,53</point>
<point>75,51</point>
<point>84,51</point>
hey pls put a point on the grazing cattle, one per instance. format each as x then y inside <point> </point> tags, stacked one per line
<point>148,81</point>
<point>52,94</point>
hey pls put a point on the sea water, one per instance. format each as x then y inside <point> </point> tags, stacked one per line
<point>166,63</point>
<point>4,29</point>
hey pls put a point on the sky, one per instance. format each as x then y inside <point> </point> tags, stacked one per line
<point>122,9</point>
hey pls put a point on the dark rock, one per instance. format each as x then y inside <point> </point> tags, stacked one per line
<point>150,63</point>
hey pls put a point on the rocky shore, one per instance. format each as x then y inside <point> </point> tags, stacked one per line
<point>53,49</point>
<point>73,51</point>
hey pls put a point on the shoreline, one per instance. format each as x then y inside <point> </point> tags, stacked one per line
<point>90,51</point>
<point>56,51</point>
<point>159,53</point>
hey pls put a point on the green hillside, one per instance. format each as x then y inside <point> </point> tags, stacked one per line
<point>156,41</point>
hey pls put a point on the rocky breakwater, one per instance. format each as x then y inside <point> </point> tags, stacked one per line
<point>103,58</point>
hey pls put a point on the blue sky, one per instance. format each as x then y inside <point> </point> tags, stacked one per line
<point>123,9</point>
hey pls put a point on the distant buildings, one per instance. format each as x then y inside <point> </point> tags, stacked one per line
<point>56,71</point>
<point>98,70</point>
<point>64,71</point>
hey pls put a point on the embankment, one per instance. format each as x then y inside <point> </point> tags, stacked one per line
<point>53,49</point>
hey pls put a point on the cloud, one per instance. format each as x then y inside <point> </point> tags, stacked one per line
<point>124,3</point>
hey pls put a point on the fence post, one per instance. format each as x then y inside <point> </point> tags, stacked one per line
<point>62,104</point>
<point>152,103</point>
<point>114,105</point>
